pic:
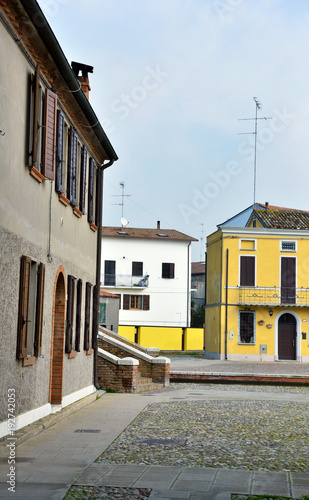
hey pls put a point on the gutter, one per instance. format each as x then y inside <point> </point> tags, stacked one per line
<point>45,32</point>
<point>96,296</point>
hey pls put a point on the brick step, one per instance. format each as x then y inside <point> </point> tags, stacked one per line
<point>148,387</point>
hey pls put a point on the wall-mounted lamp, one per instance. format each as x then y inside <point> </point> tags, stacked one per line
<point>271,312</point>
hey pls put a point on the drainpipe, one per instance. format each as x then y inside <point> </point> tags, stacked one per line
<point>96,301</point>
<point>226,300</point>
<point>189,289</point>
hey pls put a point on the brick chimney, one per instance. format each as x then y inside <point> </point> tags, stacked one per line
<point>158,224</point>
<point>83,79</point>
<point>266,205</point>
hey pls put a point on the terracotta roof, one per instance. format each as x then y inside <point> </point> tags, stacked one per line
<point>283,218</point>
<point>108,294</point>
<point>197,267</point>
<point>149,234</point>
<point>282,209</point>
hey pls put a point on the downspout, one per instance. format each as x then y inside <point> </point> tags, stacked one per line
<point>189,290</point>
<point>204,346</point>
<point>96,301</point>
<point>226,300</point>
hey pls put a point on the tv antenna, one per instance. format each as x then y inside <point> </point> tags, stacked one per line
<point>122,198</point>
<point>258,106</point>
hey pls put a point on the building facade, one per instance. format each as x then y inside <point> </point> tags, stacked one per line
<point>257,301</point>
<point>52,151</point>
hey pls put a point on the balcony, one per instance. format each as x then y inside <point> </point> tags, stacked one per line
<point>275,296</point>
<point>124,281</point>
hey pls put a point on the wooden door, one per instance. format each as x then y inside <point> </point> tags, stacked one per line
<point>287,337</point>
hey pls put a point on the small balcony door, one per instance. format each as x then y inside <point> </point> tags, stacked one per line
<point>110,272</point>
<point>288,280</point>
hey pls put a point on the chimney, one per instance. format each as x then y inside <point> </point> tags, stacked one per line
<point>266,205</point>
<point>158,224</point>
<point>83,77</point>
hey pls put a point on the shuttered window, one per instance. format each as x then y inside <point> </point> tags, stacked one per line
<point>141,302</point>
<point>39,311</point>
<point>49,136</point>
<point>126,301</point>
<point>87,317</point>
<point>70,312</point>
<point>90,191</point>
<point>78,314</point>
<point>59,152</point>
<point>30,314</point>
<point>247,271</point>
<point>137,269</point>
<point>98,200</point>
<point>168,270</point>
<point>72,166</point>
<point>146,302</point>
<point>83,172</point>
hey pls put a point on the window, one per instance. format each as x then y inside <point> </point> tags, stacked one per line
<point>141,302</point>
<point>30,316</point>
<point>247,271</point>
<point>288,246</point>
<point>168,270</point>
<point>72,166</point>
<point>70,315</point>
<point>137,269</point>
<point>246,330</point>
<point>78,314</point>
<point>109,272</point>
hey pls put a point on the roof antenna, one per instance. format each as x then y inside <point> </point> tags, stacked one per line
<point>258,105</point>
<point>122,198</point>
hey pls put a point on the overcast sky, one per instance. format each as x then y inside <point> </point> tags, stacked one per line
<point>171,80</point>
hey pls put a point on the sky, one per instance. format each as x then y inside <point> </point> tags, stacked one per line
<point>172,82</point>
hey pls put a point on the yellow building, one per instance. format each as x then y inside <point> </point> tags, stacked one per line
<point>257,300</point>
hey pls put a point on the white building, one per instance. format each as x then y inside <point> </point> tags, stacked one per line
<point>151,271</point>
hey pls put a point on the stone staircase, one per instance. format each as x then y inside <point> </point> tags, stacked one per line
<point>124,367</point>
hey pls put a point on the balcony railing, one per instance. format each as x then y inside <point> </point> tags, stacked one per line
<point>124,280</point>
<point>275,296</point>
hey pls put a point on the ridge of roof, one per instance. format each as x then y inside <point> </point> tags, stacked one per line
<point>147,233</point>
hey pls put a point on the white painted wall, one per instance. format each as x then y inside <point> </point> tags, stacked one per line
<point>169,298</point>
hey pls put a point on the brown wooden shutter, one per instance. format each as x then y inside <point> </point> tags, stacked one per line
<point>126,301</point>
<point>90,190</point>
<point>83,172</point>
<point>247,271</point>
<point>24,295</point>
<point>72,166</point>
<point>97,198</point>
<point>39,311</point>
<point>36,97</point>
<point>59,152</point>
<point>87,317</point>
<point>94,336</point>
<point>70,308</point>
<point>288,280</point>
<point>78,314</point>
<point>172,271</point>
<point>146,302</point>
<point>49,137</point>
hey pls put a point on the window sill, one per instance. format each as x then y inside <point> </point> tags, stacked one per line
<point>28,361</point>
<point>93,227</point>
<point>64,200</point>
<point>36,174</point>
<point>72,354</point>
<point>77,212</point>
<point>89,352</point>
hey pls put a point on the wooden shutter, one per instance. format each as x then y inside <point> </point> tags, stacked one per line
<point>70,308</point>
<point>87,317</point>
<point>126,301</point>
<point>39,311</point>
<point>94,337</point>
<point>49,137</point>
<point>247,271</point>
<point>90,190</point>
<point>24,295</point>
<point>36,97</point>
<point>97,198</point>
<point>172,271</point>
<point>168,270</point>
<point>59,152</point>
<point>78,314</point>
<point>146,302</point>
<point>72,166</point>
<point>83,172</point>
<point>288,280</point>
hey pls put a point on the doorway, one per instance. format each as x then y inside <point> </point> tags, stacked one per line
<point>57,345</point>
<point>287,337</point>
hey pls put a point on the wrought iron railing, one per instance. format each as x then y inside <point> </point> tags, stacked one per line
<point>271,296</point>
<point>124,280</point>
